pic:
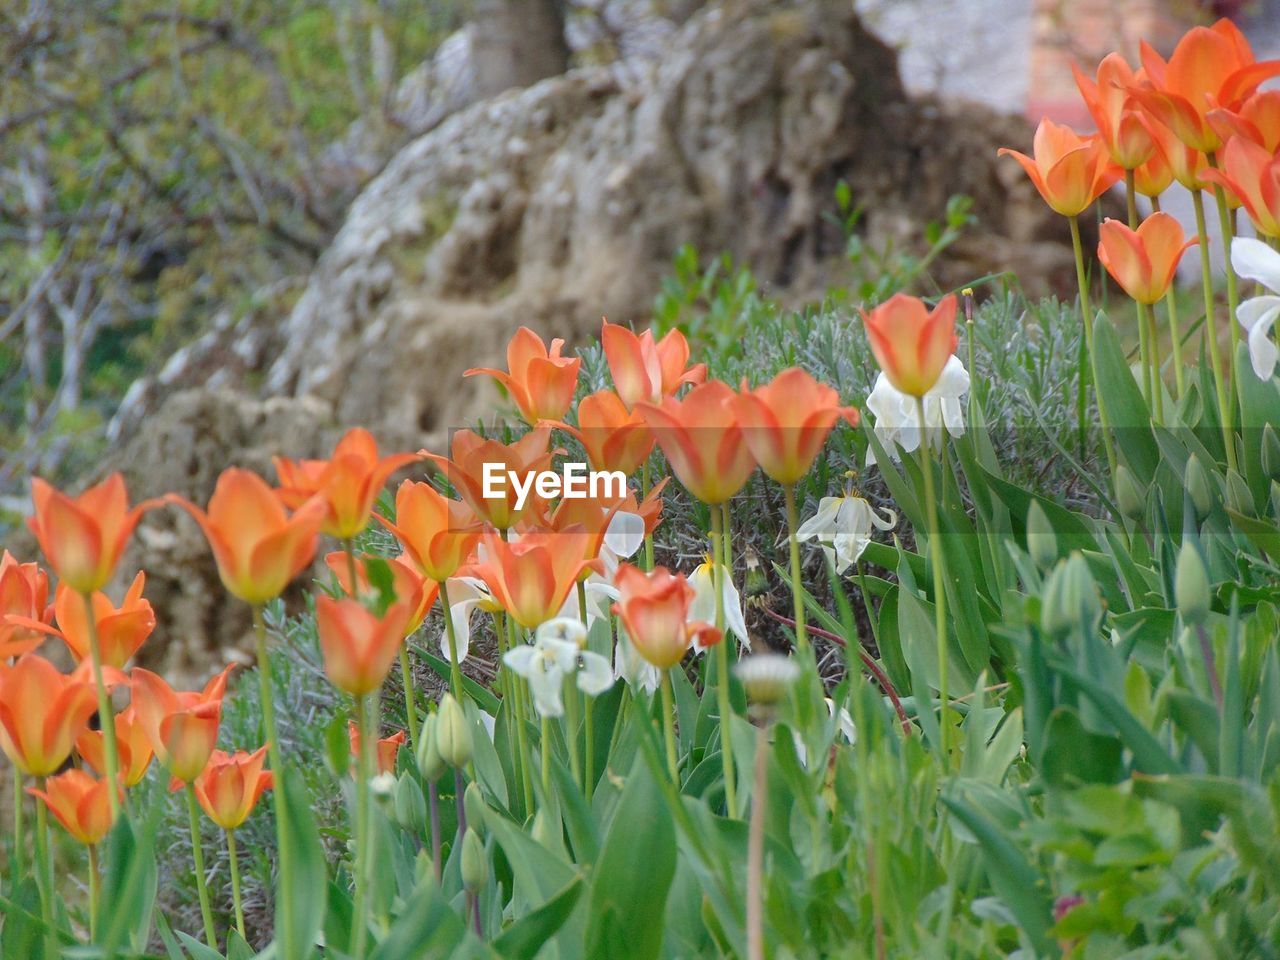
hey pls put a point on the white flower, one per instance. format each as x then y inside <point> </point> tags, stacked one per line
<point>544,664</point>
<point>595,676</point>
<point>898,418</point>
<point>632,668</point>
<point>703,606</point>
<point>1254,260</point>
<point>843,526</point>
<point>466,595</point>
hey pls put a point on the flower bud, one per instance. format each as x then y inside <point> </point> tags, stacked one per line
<point>411,806</point>
<point>1042,543</point>
<point>1198,486</point>
<point>766,677</point>
<point>430,763</point>
<point>1275,497</point>
<point>1130,497</point>
<point>453,733</point>
<point>1270,452</point>
<point>1191,585</point>
<point>474,805</point>
<point>1239,497</point>
<point>475,864</point>
<point>1070,597</point>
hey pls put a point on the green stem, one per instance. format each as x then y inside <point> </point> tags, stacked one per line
<point>645,487</point>
<point>522,733</point>
<point>285,893</point>
<point>1144,358</point>
<point>1131,199</point>
<point>410,695</point>
<point>360,911</point>
<point>797,598</point>
<point>544,753</point>
<point>1211,329</point>
<point>1091,368</point>
<point>1228,233</point>
<point>669,728</point>
<point>106,717</point>
<point>755,850</point>
<point>44,864</point>
<point>93,892</point>
<point>237,904</point>
<point>1175,336</point>
<point>722,664</point>
<point>19,829</point>
<point>588,732</point>
<point>939,585</point>
<point>1147,317</point>
<point>349,549</point>
<point>197,854</point>
<point>455,669</point>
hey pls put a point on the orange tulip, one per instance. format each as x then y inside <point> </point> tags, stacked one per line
<point>1143,261</point>
<point>643,369</point>
<point>466,470</point>
<point>1122,128</point>
<point>911,343</point>
<point>786,422</point>
<point>1257,120</point>
<point>1252,174</point>
<point>257,546</point>
<point>132,743</point>
<point>654,608</point>
<point>42,712</point>
<point>1154,177</point>
<point>1069,170</point>
<point>359,646</point>
<point>438,534</point>
<point>387,751</point>
<point>406,583</point>
<point>541,382</point>
<point>614,438</point>
<point>121,631</point>
<point>24,596</point>
<point>83,537</point>
<point>80,803</point>
<point>1211,67</point>
<point>230,785</point>
<point>182,727</point>
<point>532,577</point>
<point>702,440</point>
<point>349,482</point>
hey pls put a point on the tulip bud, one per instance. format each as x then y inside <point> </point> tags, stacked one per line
<point>474,806</point>
<point>1270,452</point>
<point>1070,597</point>
<point>430,763</point>
<point>1130,497</point>
<point>1042,543</point>
<point>1275,497</point>
<point>475,864</point>
<point>453,733</point>
<point>1197,483</point>
<point>411,806</point>
<point>1191,585</point>
<point>1239,497</point>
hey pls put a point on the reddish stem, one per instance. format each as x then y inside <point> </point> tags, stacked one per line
<point>872,667</point>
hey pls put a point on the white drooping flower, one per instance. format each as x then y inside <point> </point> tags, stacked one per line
<point>842,526</point>
<point>703,606</point>
<point>557,652</point>
<point>897,416</point>
<point>466,595</point>
<point>630,667</point>
<point>1254,260</point>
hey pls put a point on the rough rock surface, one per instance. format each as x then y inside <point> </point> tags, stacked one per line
<point>554,205</point>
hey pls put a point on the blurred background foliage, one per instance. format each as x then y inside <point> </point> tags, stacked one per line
<point>160,161</point>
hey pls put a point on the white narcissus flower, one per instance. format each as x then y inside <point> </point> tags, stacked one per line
<point>842,526</point>
<point>466,595</point>
<point>556,652</point>
<point>703,606</point>
<point>1254,260</point>
<point>897,418</point>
